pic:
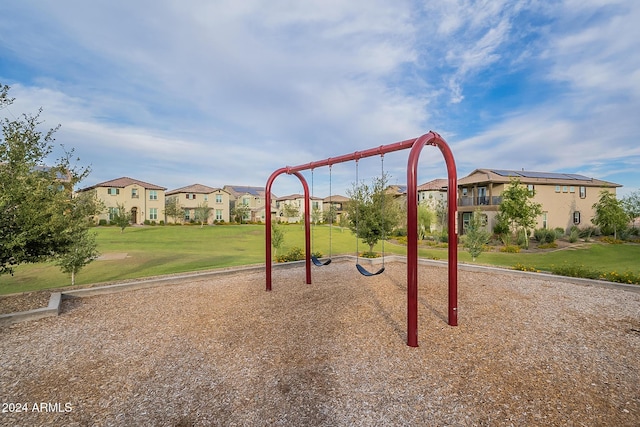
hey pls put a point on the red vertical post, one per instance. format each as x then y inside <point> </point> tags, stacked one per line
<point>267,218</point>
<point>430,138</point>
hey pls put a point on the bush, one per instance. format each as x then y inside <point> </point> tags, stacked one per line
<point>510,249</point>
<point>611,240</point>
<point>102,222</point>
<point>294,254</point>
<point>522,267</point>
<point>544,236</point>
<point>161,222</point>
<point>559,232</point>
<point>574,235</point>
<point>369,254</point>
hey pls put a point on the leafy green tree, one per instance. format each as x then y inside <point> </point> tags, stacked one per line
<point>173,209</point>
<point>202,213</point>
<point>518,210</point>
<point>121,217</point>
<point>631,205</point>
<point>240,212</point>
<point>277,237</point>
<point>291,210</point>
<point>425,218</point>
<point>476,234</point>
<point>316,215</point>
<point>330,215</point>
<point>82,251</point>
<point>37,207</point>
<point>372,214</point>
<point>610,215</point>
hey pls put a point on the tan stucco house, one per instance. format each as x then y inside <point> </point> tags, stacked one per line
<point>252,197</point>
<point>297,201</point>
<point>567,199</point>
<point>144,201</point>
<point>192,196</point>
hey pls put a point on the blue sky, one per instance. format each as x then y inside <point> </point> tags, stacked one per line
<point>225,91</point>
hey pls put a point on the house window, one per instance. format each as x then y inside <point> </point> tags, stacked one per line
<point>113,213</point>
<point>153,195</point>
<point>544,220</point>
<point>218,198</point>
<point>153,213</point>
<point>464,191</point>
<point>583,191</point>
<point>190,196</point>
<point>113,191</point>
<point>531,188</point>
<point>315,205</point>
<point>245,201</point>
<point>134,193</point>
<point>572,189</point>
<point>466,219</point>
<point>187,213</point>
<point>576,217</point>
<point>219,214</point>
<point>564,189</point>
<point>557,188</point>
<point>206,198</point>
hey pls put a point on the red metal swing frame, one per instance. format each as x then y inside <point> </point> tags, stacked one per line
<point>416,145</point>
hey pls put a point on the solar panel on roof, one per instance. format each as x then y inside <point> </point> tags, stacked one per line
<point>504,172</point>
<point>578,177</point>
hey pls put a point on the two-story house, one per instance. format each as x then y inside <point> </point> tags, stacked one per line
<point>291,208</point>
<point>253,198</point>
<point>142,200</point>
<point>567,199</point>
<point>193,196</point>
<point>339,205</point>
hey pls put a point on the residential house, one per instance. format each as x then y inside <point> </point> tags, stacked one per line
<point>193,196</point>
<point>567,199</point>
<point>433,193</point>
<point>286,206</point>
<point>339,205</point>
<point>144,201</point>
<point>251,197</point>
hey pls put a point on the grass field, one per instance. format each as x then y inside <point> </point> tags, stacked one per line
<point>152,251</point>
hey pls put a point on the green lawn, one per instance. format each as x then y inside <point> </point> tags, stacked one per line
<point>160,250</point>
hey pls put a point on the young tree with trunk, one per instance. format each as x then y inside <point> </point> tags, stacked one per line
<point>202,213</point>
<point>372,214</point>
<point>37,208</point>
<point>476,234</point>
<point>173,209</point>
<point>610,215</point>
<point>519,210</point>
<point>121,217</point>
<point>277,238</point>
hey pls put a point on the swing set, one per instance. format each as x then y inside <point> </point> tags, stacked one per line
<point>415,145</point>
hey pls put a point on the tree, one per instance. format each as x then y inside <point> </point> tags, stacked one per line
<point>291,210</point>
<point>425,218</point>
<point>610,215</point>
<point>173,209</point>
<point>631,205</point>
<point>518,210</point>
<point>82,252</point>
<point>277,237</point>
<point>372,215</point>
<point>330,215</point>
<point>37,209</point>
<point>202,213</point>
<point>316,215</point>
<point>121,217</point>
<point>476,234</point>
<point>240,212</point>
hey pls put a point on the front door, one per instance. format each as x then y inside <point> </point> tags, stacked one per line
<point>134,215</point>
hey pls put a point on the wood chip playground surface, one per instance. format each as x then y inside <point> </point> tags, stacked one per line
<point>222,351</point>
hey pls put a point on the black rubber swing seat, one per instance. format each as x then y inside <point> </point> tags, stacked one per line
<point>366,273</point>
<point>319,263</point>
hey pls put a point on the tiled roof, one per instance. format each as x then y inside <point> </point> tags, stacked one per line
<point>336,198</point>
<point>194,188</point>
<point>123,182</point>
<point>438,184</point>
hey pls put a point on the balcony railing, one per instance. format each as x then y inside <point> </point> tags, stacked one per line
<point>480,201</point>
